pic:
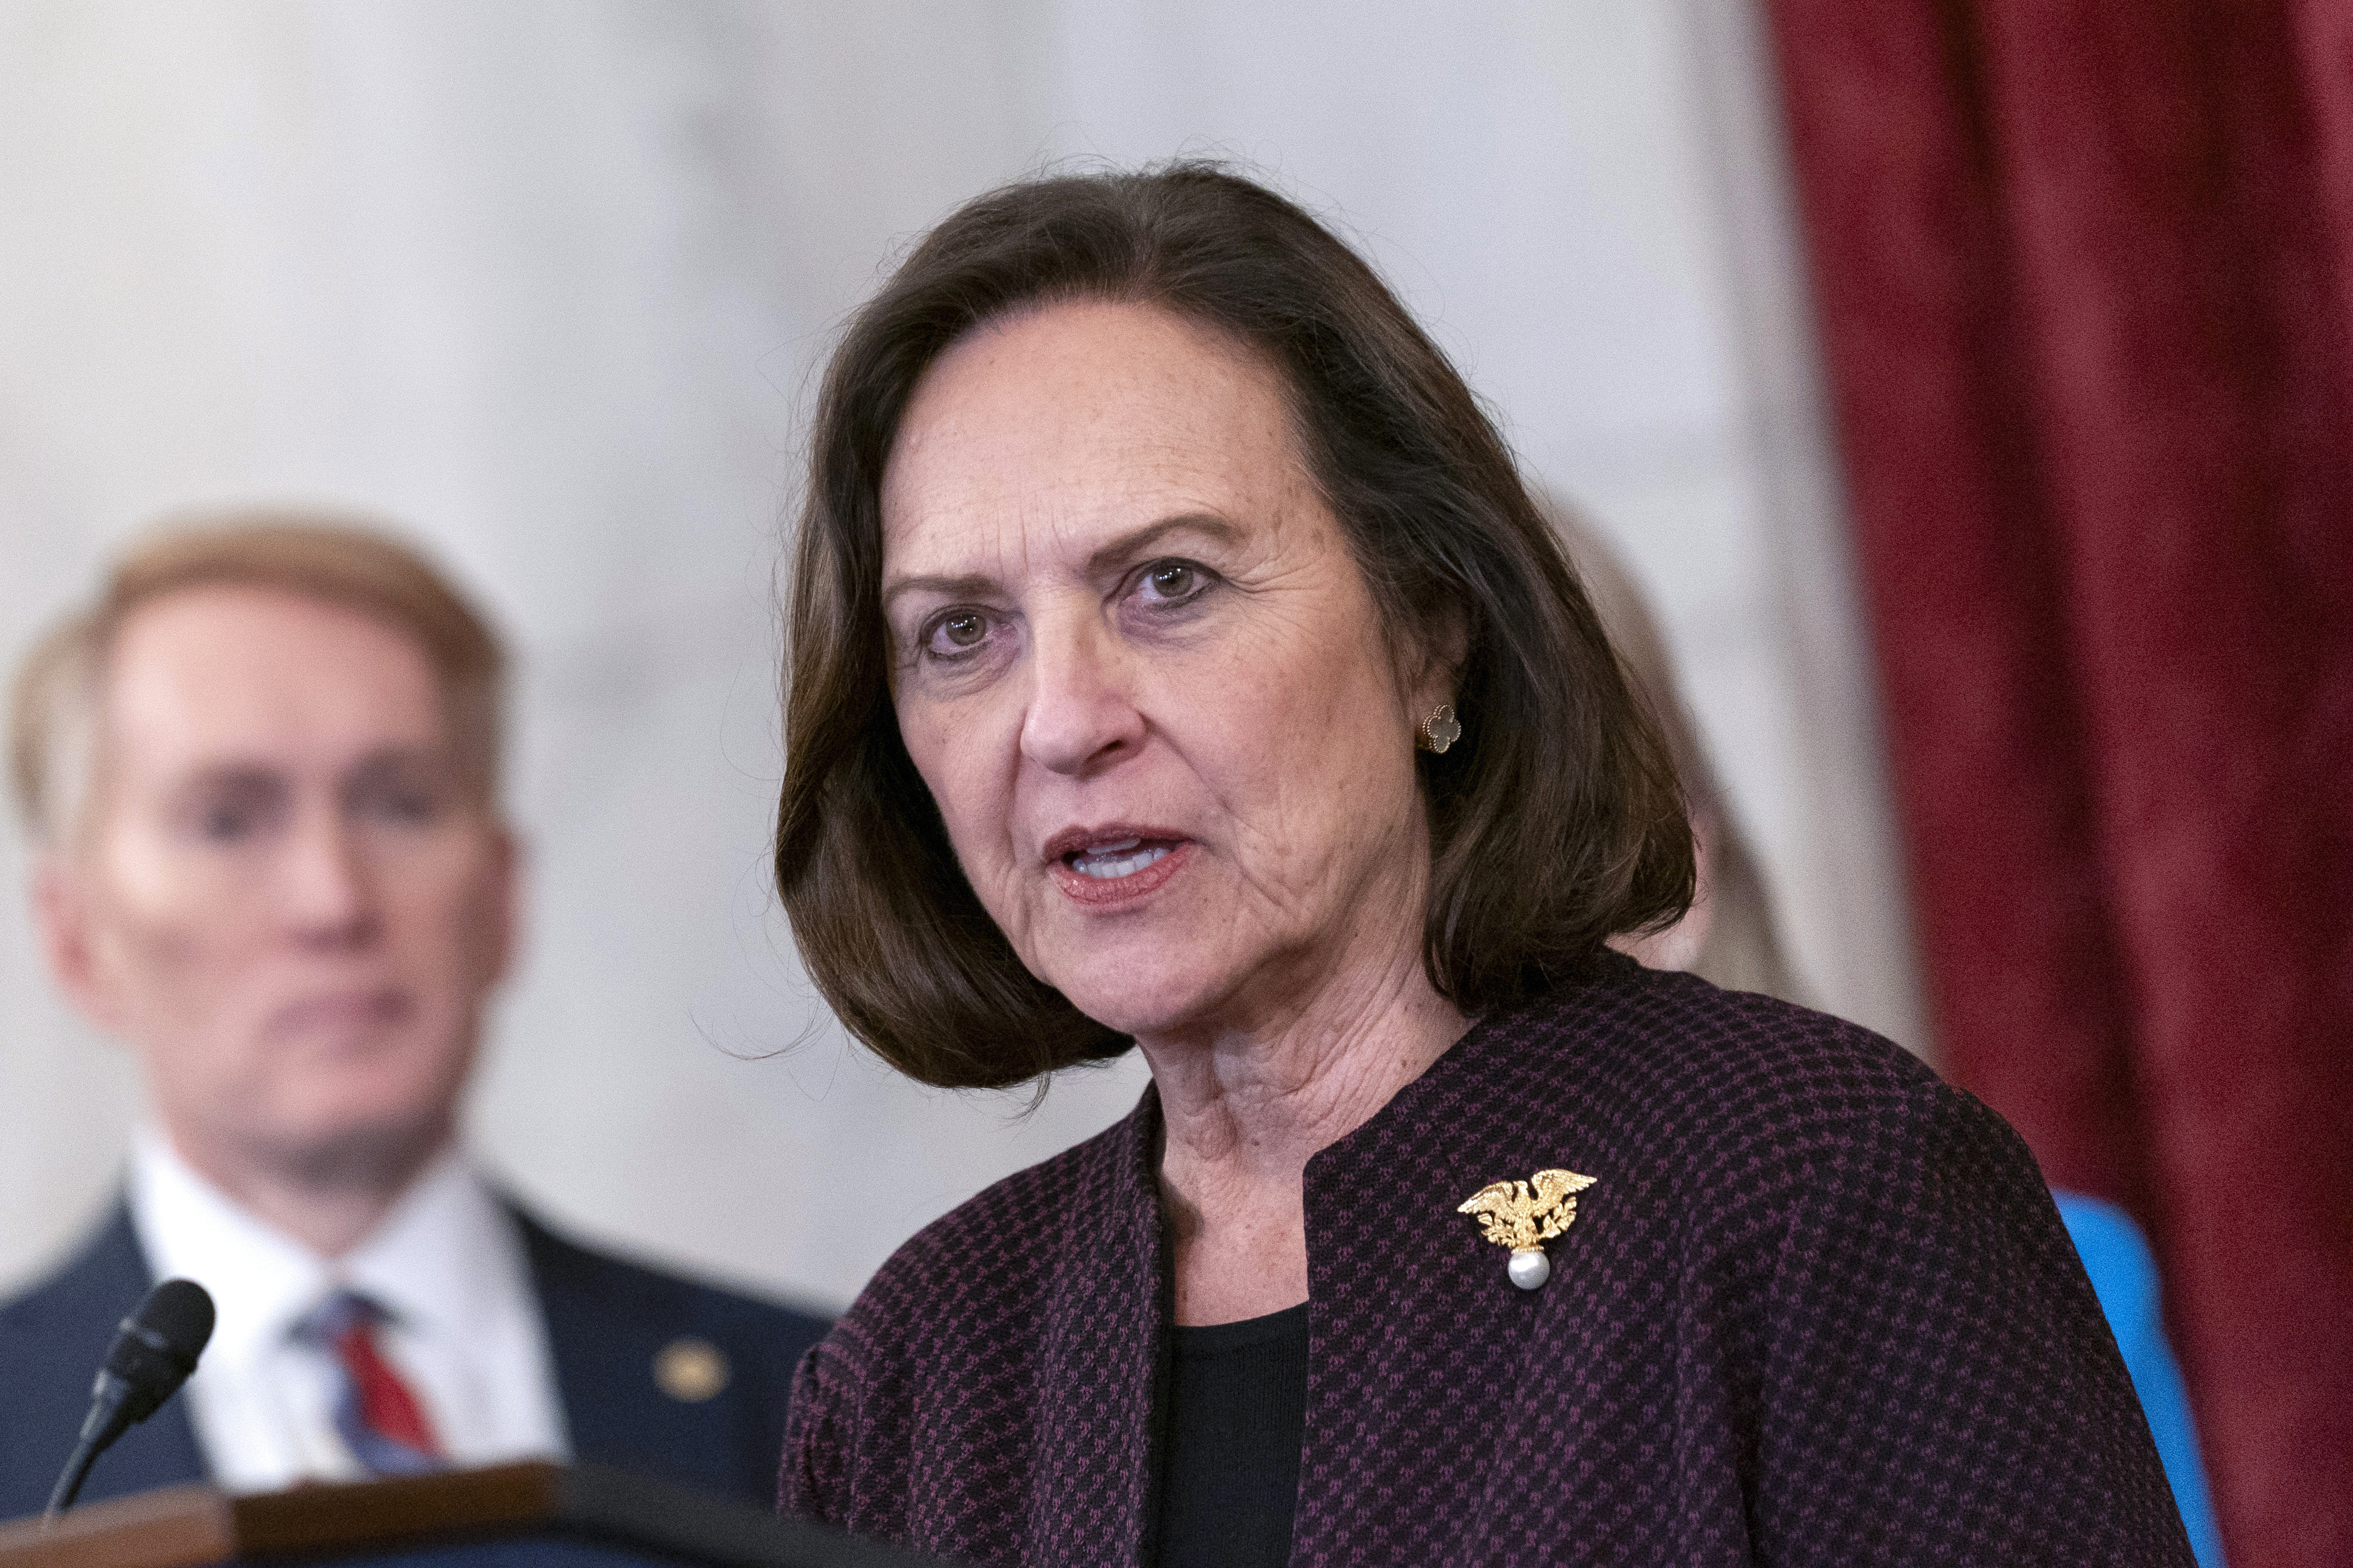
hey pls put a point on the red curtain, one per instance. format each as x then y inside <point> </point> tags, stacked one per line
<point>2083,270</point>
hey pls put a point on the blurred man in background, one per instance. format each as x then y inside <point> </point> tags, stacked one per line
<point>261,776</point>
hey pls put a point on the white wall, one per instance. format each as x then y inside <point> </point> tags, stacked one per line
<point>546,281</point>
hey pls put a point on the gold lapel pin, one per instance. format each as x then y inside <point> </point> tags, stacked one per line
<point>1511,1216</point>
<point>691,1369</point>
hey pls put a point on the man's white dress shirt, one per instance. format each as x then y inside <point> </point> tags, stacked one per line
<point>447,1265</point>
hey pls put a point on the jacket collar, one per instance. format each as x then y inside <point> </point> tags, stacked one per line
<point>1102,1356</point>
<point>1106,1337</point>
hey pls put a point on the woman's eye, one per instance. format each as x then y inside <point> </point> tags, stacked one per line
<point>957,632</point>
<point>1171,582</point>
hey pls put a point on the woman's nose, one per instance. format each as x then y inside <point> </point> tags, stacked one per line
<point>1082,717</point>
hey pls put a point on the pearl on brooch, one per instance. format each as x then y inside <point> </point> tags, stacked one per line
<point>1522,1215</point>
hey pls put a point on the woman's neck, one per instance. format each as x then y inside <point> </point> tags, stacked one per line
<point>1245,1107</point>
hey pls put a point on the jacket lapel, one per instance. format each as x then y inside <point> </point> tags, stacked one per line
<point>1104,1339</point>
<point>1419,1342</point>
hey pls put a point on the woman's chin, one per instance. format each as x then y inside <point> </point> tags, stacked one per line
<point>1143,999</point>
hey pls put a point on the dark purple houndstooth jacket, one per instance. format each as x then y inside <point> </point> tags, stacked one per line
<point>1818,1307</point>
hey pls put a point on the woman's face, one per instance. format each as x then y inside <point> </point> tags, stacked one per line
<point>1136,664</point>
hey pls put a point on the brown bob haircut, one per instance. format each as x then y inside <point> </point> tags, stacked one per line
<point>1555,821</point>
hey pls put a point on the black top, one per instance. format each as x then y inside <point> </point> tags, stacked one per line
<point>1237,1421</point>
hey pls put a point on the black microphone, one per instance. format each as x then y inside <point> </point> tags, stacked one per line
<point>153,1352</point>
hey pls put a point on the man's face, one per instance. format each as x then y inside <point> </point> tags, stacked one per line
<point>286,895</point>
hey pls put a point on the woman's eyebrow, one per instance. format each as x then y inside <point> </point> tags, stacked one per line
<point>1111,554</point>
<point>951,587</point>
<point>1134,542</point>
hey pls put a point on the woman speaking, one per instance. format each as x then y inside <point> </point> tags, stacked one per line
<point>1178,663</point>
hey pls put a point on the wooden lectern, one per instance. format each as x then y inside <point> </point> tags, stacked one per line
<point>512,1516</point>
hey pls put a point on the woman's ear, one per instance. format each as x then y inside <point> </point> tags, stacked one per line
<point>1445,649</point>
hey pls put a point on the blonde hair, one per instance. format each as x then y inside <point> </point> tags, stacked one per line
<point>59,687</point>
<point>1742,951</point>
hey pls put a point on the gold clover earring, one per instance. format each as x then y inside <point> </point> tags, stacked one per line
<point>1439,730</point>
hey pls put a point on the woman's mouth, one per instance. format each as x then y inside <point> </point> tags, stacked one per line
<point>1114,866</point>
<point>1119,857</point>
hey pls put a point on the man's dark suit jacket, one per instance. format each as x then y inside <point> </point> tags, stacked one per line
<point>607,1322</point>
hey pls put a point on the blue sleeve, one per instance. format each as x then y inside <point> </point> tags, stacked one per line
<point>2124,1276</point>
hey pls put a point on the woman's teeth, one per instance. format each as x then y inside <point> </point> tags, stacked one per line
<point>1120,858</point>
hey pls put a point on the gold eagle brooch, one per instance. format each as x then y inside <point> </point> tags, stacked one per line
<point>1511,1215</point>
